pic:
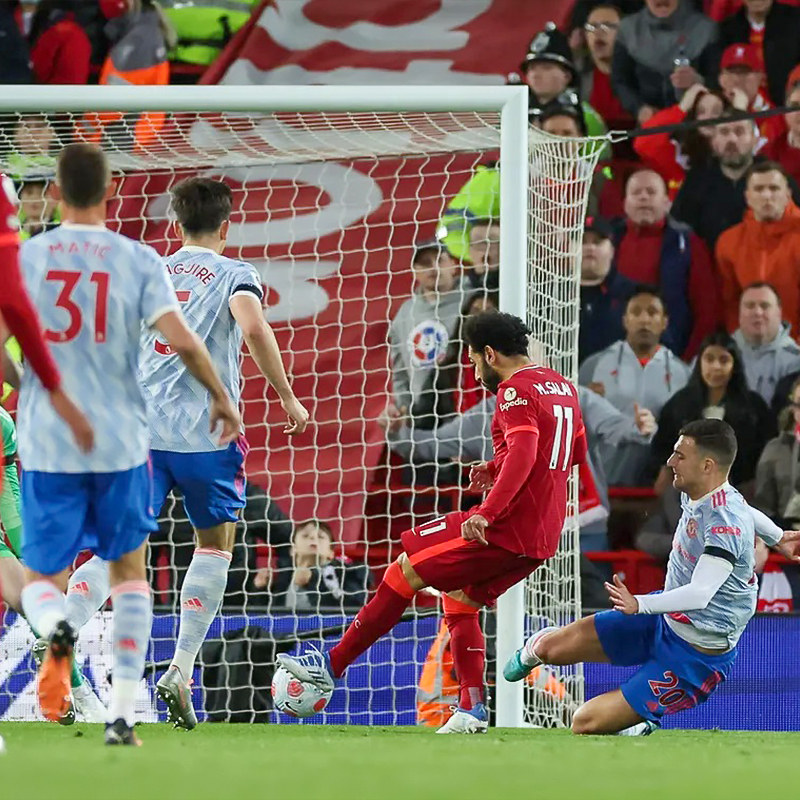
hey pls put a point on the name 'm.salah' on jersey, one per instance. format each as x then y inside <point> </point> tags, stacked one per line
<point>538,436</point>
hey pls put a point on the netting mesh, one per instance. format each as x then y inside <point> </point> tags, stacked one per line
<point>328,208</point>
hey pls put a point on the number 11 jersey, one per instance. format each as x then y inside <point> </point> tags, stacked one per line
<point>93,289</point>
<point>537,400</point>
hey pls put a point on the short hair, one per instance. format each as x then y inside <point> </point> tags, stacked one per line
<point>715,437</point>
<point>761,285</point>
<point>645,288</point>
<point>762,167</point>
<point>82,175</point>
<point>610,6</point>
<point>639,171</point>
<point>202,204</point>
<point>503,332</point>
<point>317,523</point>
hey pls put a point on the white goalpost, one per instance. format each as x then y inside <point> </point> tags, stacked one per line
<point>334,186</point>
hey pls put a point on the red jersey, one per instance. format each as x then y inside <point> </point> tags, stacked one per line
<point>538,435</point>
<point>15,305</point>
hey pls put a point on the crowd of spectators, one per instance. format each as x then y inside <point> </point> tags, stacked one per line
<point>690,285</point>
<point>71,42</point>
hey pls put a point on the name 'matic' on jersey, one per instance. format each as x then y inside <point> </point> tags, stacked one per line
<point>719,524</point>
<point>93,289</point>
<point>177,405</point>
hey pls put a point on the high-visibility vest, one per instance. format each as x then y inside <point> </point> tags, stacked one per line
<point>117,71</point>
<point>204,28</point>
<point>15,351</point>
<point>437,689</point>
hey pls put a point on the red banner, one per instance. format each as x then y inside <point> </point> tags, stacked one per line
<point>363,42</point>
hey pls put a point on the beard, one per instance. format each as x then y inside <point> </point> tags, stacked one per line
<point>490,378</point>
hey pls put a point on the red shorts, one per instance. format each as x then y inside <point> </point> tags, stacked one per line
<point>447,562</point>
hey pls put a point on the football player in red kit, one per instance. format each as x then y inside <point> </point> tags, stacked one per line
<point>473,557</point>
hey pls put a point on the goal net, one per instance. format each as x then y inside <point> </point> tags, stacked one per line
<point>340,211</point>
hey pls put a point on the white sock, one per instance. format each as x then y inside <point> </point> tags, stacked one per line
<point>201,597</point>
<point>635,730</point>
<point>132,622</point>
<point>87,592</point>
<point>44,606</point>
<point>528,655</point>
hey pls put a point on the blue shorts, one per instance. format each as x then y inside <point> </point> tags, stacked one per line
<point>212,483</point>
<point>110,513</point>
<point>674,675</point>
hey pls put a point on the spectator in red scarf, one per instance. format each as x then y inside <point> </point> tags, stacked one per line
<point>60,49</point>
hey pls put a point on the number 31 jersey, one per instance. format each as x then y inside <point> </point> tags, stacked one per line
<point>93,289</point>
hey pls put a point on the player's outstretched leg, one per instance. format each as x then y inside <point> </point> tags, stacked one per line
<point>87,592</point>
<point>525,660</point>
<point>394,595</point>
<point>201,597</point>
<point>44,606</point>
<point>132,622</point>
<point>468,647</point>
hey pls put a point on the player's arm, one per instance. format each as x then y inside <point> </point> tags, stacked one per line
<point>785,542</point>
<point>522,437</point>
<point>21,319</point>
<point>263,346</point>
<point>724,545</point>
<point>188,346</point>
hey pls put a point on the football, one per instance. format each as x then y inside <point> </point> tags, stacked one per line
<point>295,697</point>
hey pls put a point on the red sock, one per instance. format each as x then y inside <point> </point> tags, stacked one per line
<point>378,617</point>
<point>468,648</point>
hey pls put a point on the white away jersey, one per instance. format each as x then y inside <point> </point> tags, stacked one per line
<point>93,289</point>
<point>177,405</point>
<point>719,524</point>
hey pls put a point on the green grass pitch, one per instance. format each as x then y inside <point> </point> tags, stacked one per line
<point>292,762</point>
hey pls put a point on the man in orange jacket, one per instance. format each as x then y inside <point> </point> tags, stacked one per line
<point>765,246</point>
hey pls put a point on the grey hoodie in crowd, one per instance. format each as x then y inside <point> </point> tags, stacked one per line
<point>766,364</point>
<point>628,383</point>
<point>419,335</point>
<point>468,437</point>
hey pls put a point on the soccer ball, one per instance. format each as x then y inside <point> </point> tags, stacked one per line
<point>295,697</point>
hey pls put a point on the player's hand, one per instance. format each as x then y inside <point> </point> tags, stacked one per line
<point>224,414</point>
<point>480,478</point>
<point>789,545</point>
<point>645,112</point>
<point>297,415</point>
<point>645,421</point>
<point>622,599</point>
<point>74,418</point>
<point>473,529</point>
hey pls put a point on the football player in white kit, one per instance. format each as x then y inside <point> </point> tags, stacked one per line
<point>221,299</point>
<point>94,289</point>
<point>683,638</point>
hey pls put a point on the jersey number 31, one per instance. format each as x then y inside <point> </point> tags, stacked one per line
<point>69,280</point>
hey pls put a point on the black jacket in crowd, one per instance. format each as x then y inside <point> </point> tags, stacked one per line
<point>781,43</point>
<point>749,416</point>
<point>710,202</point>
